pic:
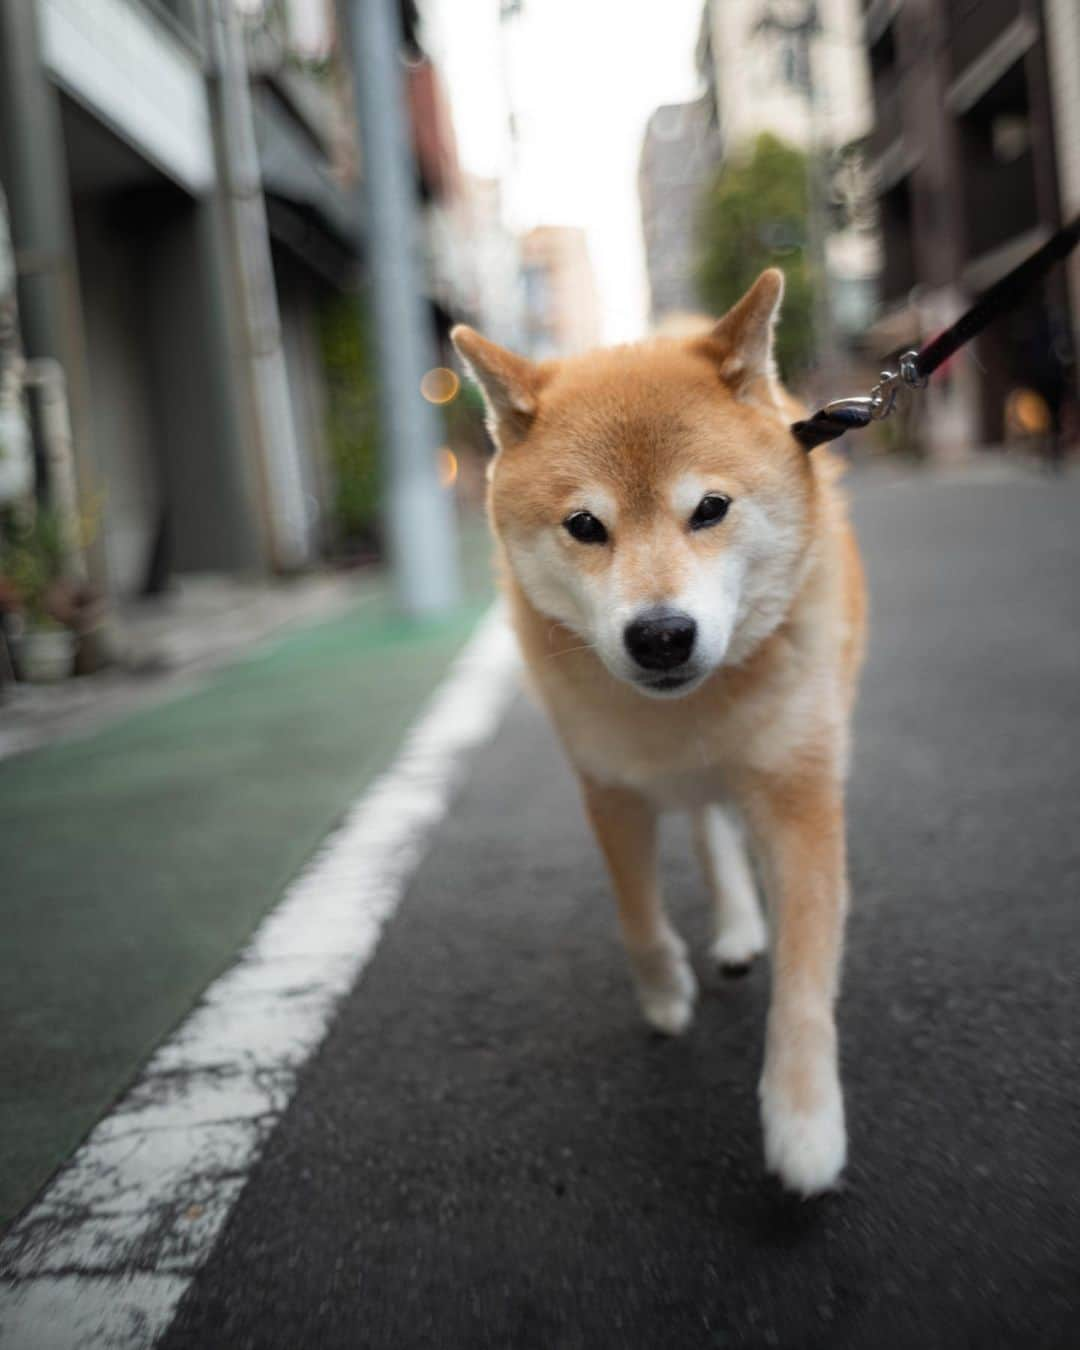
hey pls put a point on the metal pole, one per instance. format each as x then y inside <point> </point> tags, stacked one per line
<point>816,223</point>
<point>264,370</point>
<point>418,510</point>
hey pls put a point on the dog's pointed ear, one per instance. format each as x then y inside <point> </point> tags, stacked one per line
<point>741,343</point>
<point>510,384</point>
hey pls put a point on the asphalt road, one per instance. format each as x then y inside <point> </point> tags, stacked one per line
<point>490,1150</point>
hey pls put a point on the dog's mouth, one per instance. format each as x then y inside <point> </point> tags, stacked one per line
<point>669,686</point>
<point>668,683</point>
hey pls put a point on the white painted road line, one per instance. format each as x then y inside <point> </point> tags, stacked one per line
<point>105,1255</point>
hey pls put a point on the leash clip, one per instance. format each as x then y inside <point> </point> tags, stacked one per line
<point>883,395</point>
<point>851,414</point>
<point>861,407</point>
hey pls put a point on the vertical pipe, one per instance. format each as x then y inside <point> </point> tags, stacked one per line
<point>42,231</point>
<point>817,229</point>
<point>418,511</point>
<point>1062,38</point>
<point>259,323</point>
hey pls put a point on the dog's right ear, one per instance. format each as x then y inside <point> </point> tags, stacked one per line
<point>510,384</point>
<point>741,344</point>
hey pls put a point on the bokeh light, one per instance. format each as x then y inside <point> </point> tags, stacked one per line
<point>448,467</point>
<point>440,385</point>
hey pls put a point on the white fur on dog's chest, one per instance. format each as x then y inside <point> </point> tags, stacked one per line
<point>691,761</point>
<point>684,754</point>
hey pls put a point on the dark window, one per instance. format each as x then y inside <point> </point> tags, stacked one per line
<point>998,165</point>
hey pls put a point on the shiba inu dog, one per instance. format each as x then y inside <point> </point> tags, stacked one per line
<point>688,597</point>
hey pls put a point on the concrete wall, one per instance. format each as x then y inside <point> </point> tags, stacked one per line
<point>170,444</point>
<point>130,492</point>
<point>210,469</point>
<point>179,483</point>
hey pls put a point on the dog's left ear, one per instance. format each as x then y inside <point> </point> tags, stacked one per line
<point>741,344</point>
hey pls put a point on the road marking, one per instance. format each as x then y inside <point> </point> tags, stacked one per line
<point>104,1257</point>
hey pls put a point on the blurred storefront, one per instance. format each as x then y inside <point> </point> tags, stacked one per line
<point>185,195</point>
<point>975,148</point>
<point>174,230</point>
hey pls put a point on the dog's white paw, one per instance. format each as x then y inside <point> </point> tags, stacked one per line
<point>666,987</point>
<point>670,1014</point>
<point>739,945</point>
<point>807,1149</point>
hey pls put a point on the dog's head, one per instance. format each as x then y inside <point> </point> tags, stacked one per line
<point>651,498</point>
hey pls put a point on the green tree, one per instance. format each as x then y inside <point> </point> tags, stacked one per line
<point>753,215</point>
<point>352,420</point>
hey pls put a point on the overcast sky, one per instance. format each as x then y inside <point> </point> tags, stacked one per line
<point>583,77</point>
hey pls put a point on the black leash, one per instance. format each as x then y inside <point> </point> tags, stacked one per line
<point>915,368</point>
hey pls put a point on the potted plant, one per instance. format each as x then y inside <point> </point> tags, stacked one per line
<point>32,570</point>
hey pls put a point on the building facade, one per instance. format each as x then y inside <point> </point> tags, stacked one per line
<point>491,265</point>
<point>798,69</point>
<point>562,306</point>
<point>768,59</point>
<point>680,152</point>
<point>176,220</point>
<point>1061,19</point>
<point>971,172</point>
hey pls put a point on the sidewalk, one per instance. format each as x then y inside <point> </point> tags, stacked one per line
<point>138,858</point>
<point>165,645</point>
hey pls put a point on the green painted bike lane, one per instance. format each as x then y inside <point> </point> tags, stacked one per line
<point>135,863</point>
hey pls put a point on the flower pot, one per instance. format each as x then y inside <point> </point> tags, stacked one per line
<point>45,654</point>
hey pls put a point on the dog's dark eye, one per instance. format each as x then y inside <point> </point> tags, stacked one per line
<point>710,509</point>
<point>585,528</point>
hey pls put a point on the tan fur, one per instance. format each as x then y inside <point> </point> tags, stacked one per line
<point>766,733</point>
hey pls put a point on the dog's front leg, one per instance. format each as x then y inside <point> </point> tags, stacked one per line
<point>626,830</point>
<point>798,823</point>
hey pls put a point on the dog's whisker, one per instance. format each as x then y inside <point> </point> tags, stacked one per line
<point>568,651</point>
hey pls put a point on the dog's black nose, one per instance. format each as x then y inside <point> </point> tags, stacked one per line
<point>661,639</point>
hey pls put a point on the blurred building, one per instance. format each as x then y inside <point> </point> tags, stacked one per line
<point>439,182</point>
<point>491,277</point>
<point>475,256</point>
<point>562,307</point>
<point>976,139</point>
<point>185,199</point>
<point>792,67</point>
<point>797,68</point>
<point>175,231</point>
<point>1062,19</point>
<point>680,152</point>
